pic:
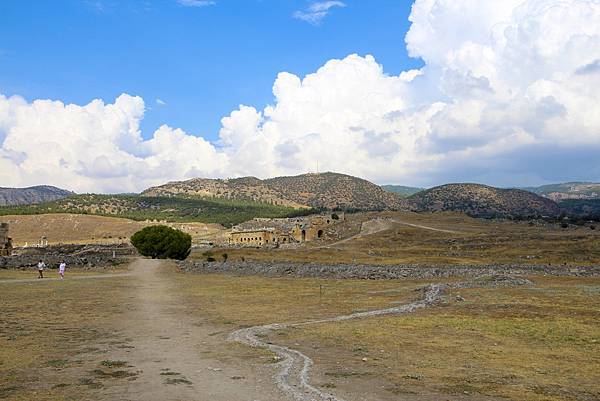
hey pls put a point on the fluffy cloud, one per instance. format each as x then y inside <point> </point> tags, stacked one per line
<point>507,95</point>
<point>95,147</point>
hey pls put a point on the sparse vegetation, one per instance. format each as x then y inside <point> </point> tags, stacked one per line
<point>324,190</point>
<point>172,209</point>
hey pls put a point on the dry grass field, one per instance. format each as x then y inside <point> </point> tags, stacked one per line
<point>77,228</point>
<point>73,340</point>
<point>53,334</point>
<point>409,238</point>
<point>530,343</point>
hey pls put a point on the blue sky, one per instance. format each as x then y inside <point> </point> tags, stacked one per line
<point>201,61</point>
<point>497,92</point>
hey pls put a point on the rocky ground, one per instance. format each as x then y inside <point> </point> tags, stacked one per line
<point>82,256</point>
<point>373,272</point>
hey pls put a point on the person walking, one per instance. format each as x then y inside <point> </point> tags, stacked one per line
<point>61,269</point>
<point>41,265</point>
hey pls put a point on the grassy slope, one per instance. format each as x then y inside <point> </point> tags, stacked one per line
<point>226,212</point>
<point>86,229</point>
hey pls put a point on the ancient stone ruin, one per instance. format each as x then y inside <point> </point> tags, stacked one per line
<point>275,232</point>
<point>5,241</point>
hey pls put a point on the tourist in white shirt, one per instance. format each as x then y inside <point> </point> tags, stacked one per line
<point>41,265</point>
<point>61,269</point>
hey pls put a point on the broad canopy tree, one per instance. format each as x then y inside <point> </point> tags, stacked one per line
<point>162,242</point>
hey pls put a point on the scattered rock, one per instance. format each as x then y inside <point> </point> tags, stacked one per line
<point>489,275</point>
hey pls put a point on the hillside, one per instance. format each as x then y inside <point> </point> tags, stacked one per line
<point>173,209</point>
<point>326,190</point>
<point>65,228</point>
<point>484,201</point>
<point>402,190</point>
<point>244,189</point>
<point>588,209</point>
<point>568,190</point>
<point>31,195</point>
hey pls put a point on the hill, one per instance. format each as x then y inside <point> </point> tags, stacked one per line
<point>568,190</point>
<point>325,190</point>
<point>65,228</point>
<point>483,201</point>
<point>587,209</point>
<point>31,195</point>
<point>173,209</point>
<point>402,190</point>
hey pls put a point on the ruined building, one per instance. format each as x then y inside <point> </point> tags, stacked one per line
<point>273,232</point>
<point>5,240</point>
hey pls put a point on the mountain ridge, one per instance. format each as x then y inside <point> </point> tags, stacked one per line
<point>484,201</point>
<point>567,190</point>
<point>324,190</point>
<point>31,195</point>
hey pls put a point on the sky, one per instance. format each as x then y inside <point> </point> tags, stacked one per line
<point>116,96</point>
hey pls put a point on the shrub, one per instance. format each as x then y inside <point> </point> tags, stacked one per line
<point>564,225</point>
<point>335,217</point>
<point>162,242</point>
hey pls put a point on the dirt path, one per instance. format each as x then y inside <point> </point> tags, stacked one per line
<point>45,280</point>
<point>426,227</point>
<point>175,356</point>
<point>378,225</point>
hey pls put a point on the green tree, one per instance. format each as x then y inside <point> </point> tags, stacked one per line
<point>162,242</point>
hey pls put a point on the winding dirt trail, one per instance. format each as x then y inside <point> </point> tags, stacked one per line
<point>378,225</point>
<point>294,369</point>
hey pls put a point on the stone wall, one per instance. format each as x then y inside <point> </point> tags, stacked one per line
<point>5,240</point>
<point>82,256</point>
<point>377,272</point>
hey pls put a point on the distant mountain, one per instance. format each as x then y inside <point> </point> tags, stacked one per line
<point>402,190</point>
<point>483,201</point>
<point>568,190</point>
<point>31,195</point>
<point>325,190</point>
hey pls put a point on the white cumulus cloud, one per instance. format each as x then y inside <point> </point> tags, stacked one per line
<point>507,95</point>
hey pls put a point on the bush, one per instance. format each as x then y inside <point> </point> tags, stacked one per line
<point>335,217</point>
<point>162,242</point>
